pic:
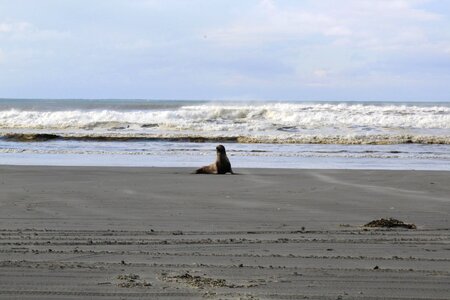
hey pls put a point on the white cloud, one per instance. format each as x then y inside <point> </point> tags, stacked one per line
<point>21,30</point>
<point>14,27</point>
<point>273,48</point>
<point>268,23</point>
<point>243,80</point>
<point>136,45</point>
<point>331,43</point>
<point>321,73</point>
<point>374,25</point>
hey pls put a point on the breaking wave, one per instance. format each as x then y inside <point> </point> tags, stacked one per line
<point>244,123</point>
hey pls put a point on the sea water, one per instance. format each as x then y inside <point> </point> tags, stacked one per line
<point>343,135</point>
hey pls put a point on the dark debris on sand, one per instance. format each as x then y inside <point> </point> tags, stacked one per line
<point>199,282</point>
<point>132,281</point>
<point>390,223</point>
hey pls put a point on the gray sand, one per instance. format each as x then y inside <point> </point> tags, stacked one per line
<point>135,233</point>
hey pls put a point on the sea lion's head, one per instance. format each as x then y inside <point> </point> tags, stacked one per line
<point>221,149</point>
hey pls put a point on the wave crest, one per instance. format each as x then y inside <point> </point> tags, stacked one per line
<point>211,117</point>
<point>268,122</point>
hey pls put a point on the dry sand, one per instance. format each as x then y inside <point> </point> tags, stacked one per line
<point>146,233</point>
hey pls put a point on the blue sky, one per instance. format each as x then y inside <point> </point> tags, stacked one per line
<point>226,49</point>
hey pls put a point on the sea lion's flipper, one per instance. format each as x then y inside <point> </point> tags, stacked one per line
<point>211,169</point>
<point>200,171</point>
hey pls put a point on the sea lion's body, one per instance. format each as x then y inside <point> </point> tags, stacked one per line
<point>222,164</point>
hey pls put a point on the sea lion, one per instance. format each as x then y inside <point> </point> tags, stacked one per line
<point>220,166</point>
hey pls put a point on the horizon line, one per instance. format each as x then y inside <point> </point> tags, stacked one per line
<point>224,100</point>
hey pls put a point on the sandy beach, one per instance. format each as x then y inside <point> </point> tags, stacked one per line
<point>146,233</point>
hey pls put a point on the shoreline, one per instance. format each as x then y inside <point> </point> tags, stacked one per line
<point>178,169</point>
<point>180,160</point>
<point>139,232</point>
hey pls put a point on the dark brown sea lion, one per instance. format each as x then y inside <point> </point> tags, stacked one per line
<point>220,166</point>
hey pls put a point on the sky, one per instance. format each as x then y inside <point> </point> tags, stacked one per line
<point>349,50</point>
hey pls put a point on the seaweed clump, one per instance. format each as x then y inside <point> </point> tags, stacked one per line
<point>132,281</point>
<point>199,282</point>
<point>390,223</point>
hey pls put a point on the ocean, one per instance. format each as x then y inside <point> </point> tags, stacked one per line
<point>256,134</point>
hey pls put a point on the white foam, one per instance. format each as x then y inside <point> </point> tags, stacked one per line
<point>269,121</point>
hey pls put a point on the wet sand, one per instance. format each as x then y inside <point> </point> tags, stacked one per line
<point>146,233</point>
